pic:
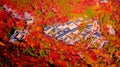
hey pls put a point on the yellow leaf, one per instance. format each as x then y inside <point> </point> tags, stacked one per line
<point>2,44</point>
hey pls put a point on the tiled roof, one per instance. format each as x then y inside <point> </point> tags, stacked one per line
<point>17,35</point>
<point>69,29</point>
<point>25,17</point>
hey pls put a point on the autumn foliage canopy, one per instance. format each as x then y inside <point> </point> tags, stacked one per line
<point>40,50</point>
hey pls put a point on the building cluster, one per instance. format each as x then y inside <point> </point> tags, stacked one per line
<point>69,32</point>
<point>25,16</point>
<point>103,1</point>
<point>18,35</point>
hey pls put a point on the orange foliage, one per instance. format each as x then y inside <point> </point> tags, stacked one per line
<point>20,24</point>
<point>41,50</point>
